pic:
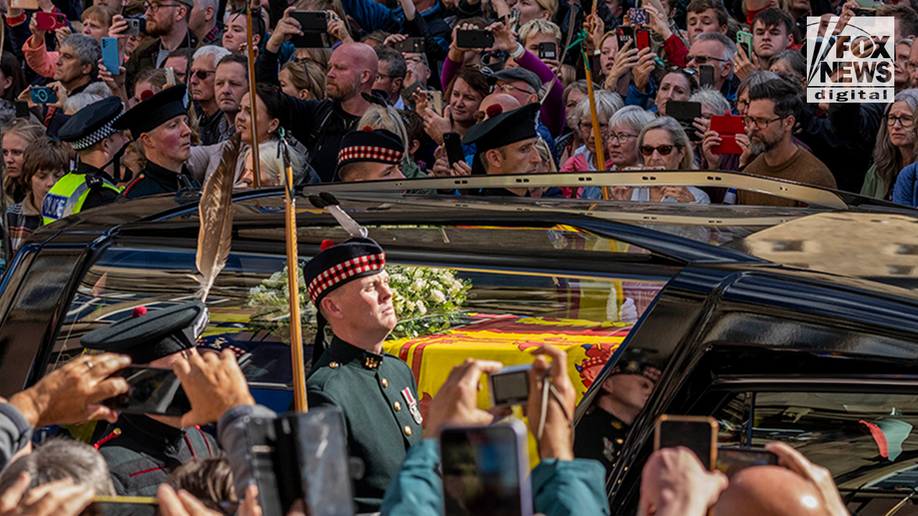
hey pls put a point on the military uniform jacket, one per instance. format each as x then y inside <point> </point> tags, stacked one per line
<point>600,436</point>
<point>155,179</point>
<point>378,396</point>
<point>141,452</point>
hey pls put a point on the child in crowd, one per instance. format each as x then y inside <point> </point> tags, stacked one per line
<point>44,162</point>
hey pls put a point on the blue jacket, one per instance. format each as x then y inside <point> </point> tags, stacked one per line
<point>373,16</point>
<point>906,191</point>
<point>559,488</point>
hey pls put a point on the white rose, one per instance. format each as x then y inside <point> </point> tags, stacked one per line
<point>437,296</point>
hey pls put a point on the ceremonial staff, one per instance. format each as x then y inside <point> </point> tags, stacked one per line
<point>293,287</point>
<point>7,246</point>
<point>597,137</point>
<point>256,162</point>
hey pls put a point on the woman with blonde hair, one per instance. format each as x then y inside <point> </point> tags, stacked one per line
<point>16,137</point>
<point>302,80</point>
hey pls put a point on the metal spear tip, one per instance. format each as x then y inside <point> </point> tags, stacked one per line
<point>329,198</point>
<point>317,201</point>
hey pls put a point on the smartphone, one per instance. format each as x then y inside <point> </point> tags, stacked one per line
<point>478,38</point>
<point>150,391</point>
<point>731,461</point>
<point>24,4</point>
<point>137,25</point>
<point>22,109</point>
<point>642,38</point>
<point>548,50</point>
<point>43,95</point>
<point>744,39</point>
<point>513,20</point>
<point>625,34</point>
<point>50,21</point>
<point>411,46</point>
<point>486,470</point>
<point>509,386</point>
<point>453,143</point>
<point>301,456</point>
<point>706,73</point>
<point>170,75</point>
<point>111,57</point>
<point>727,126</point>
<point>435,101</point>
<point>697,433</point>
<point>638,16</point>
<point>315,29</point>
<point>686,113</point>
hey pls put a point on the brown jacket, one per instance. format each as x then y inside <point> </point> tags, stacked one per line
<point>802,167</point>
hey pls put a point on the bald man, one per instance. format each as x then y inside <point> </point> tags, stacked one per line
<point>497,98</point>
<point>770,491</point>
<point>321,124</point>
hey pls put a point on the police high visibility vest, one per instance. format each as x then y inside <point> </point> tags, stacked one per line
<point>68,195</point>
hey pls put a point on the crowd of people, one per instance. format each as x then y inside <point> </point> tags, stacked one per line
<point>392,74</point>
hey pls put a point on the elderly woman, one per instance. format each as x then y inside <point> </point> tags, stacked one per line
<point>895,145</point>
<point>664,145</point>
<point>584,158</point>
<point>676,83</point>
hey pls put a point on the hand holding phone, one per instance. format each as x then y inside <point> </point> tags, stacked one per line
<point>697,433</point>
<point>43,95</point>
<point>744,40</point>
<point>637,16</point>
<point>150,391</point>
<point>453,143</point>
<point>50,21</point>
<point>510,385</point>
<point>111,57</point>
<point>727,127</point>
<point>314,25</point>
<point>477,38</point>
<point>642,38</point>
<point>548,50</point>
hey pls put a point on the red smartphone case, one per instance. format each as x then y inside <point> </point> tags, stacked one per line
<point>641,38</point>
<point>49,21</point>
<point>728,126</point>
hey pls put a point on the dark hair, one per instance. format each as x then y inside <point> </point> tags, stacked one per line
<point>660,73</point>
<point>379,36</point>
<point>233,58</point>
<point>905,15</point>
<point>773,17</point>
<point>185,52</point>
<point>275,100</point>
<point>258,24</point>
<point>209,480</point>
<point>11,67</point>
<point>414,126</point>
<point>396,65</point>
<point>785,96</point>
<point>473,77</point>
<point>700,6</point>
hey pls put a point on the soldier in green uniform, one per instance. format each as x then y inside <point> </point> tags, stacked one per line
<point>161,125</point>
<point>141,450</point>
<point>604,426</point>
<point>98,145</point>
<point>376,391</point>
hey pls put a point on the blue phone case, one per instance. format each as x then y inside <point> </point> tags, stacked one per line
<point>110,55</point>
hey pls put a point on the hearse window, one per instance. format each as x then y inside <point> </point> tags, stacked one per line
<point>447,314</point>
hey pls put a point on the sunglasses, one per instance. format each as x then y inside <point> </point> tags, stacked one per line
<point>664,150</point>
<point>202,74</point>
<point>677,68</point>
<point>703,59</point>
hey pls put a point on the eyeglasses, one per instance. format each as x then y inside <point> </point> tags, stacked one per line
<point>588,128</point>
<point>742,104</point>
<point>664,150</point>
<point>153,7</point>
<point>302,60</point>
<point>703,59</point>
<point>202,74</point>
<point>911,66</point>
<point>621,137</point>
<point>508,88</point>
<point>760,122</point>
<point>905,121</point>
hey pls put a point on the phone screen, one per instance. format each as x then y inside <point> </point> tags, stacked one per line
<point>696,434</point>
<point>322,447</point>
<point>731,461</point>
<point>150,391</point>
<point>482,471</point>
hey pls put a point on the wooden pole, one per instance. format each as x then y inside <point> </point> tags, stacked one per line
<point>250,51</point>
<point>597,136</point>
<point>293,287</point>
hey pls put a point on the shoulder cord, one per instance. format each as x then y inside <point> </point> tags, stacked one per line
<point>547,388</point>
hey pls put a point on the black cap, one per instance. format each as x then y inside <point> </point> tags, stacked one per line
<point>92,124</point>
<point>517,74</point>
<point>341,263</point>
<point>503,129</point>
<point>635,361</point>
<point>156,334</point>
<point>155,111</point>
<point>379,145</point>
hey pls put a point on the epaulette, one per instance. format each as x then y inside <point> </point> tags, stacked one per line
<point>115,433</point>
<point>131,184</point>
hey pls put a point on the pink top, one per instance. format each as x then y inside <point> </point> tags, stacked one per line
<point>40,59</point>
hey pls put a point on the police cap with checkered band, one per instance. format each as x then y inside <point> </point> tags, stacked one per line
<point>92,124</point>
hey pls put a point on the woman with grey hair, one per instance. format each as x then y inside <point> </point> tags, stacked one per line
<point>584,158</point>
<point>664,145</point>
<point>895,147</point>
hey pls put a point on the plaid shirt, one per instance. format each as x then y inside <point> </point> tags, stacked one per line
<point>215,34</point>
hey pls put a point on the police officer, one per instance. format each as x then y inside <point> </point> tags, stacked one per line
<point>98,145</point>
<point>141,450</point>
<point>376,391</point>
<point>161,125</point>
<point>604,426</point>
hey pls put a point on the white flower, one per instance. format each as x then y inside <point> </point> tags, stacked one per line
<point>437,296</point>
<point>421,307</point>
<point>419,285</point>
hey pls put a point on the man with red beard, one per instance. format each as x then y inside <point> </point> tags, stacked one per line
<point>161,125</point>
<point>167,22</point>
<point>321,124</point>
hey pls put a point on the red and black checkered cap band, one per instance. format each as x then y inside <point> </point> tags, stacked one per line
<point>369,153</point>
<point>345,271</point>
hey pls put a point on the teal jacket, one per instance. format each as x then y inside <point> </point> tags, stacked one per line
<point>559,488</point>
